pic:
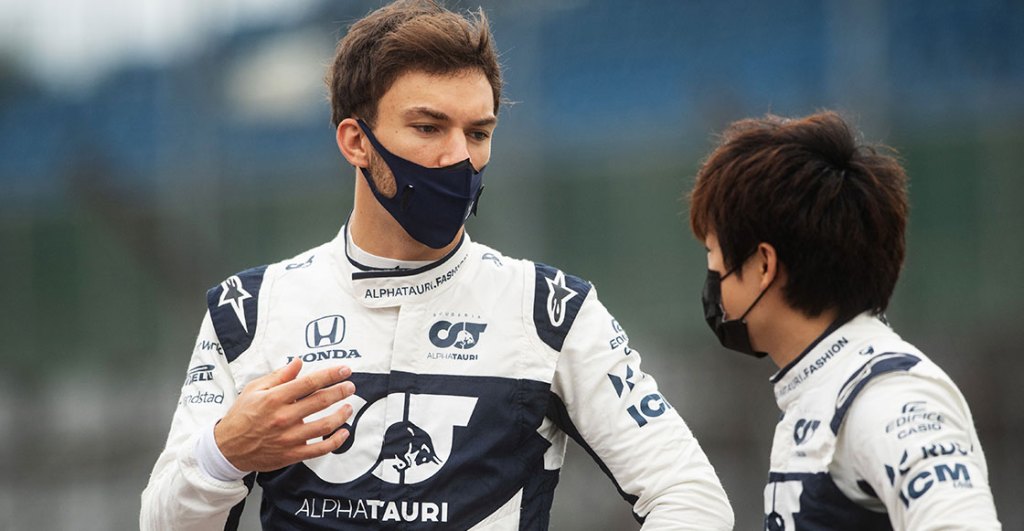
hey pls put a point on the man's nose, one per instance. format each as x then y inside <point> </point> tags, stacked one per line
<point>455,149</point>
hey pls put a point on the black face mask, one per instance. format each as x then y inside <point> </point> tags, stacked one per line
<point>431,204</point>
<point>732,334</point>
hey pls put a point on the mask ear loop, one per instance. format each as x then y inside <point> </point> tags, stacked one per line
<point>758,299</point>
<point>751,307</point>
<point>739,265</point>
<point>476,200</point>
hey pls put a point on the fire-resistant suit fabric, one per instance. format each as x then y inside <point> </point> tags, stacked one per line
<point>471,373</point>
<point>874,435</point>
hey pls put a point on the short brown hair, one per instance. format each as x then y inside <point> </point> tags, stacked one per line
<point>834,209</point>
<point>403,36</point>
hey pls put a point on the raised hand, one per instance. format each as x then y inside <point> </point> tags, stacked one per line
<point>264,429</point>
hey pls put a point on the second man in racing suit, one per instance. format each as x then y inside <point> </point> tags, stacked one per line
<point>804,229</point>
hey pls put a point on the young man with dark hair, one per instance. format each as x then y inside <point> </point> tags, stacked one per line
<point>403,376</point>
<point>804,228</point>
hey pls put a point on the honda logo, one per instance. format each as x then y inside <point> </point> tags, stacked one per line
<point>325,331</point>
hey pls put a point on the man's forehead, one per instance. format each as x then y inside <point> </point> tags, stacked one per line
<point>464,96</point>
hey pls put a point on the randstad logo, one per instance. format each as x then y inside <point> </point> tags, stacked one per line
<point>325,331</point>
<point>459,335</point>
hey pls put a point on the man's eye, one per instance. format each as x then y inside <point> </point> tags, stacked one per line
<point>479,136</point>
<point>425,128</point>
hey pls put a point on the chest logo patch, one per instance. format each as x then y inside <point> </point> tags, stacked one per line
<point>444,334</point>
<point>325,331</point>
<point>804,430</point>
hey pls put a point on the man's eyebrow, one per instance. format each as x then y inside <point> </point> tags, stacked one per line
<point>442,117</point>
<point>484,122</point>
<point>428,112</point>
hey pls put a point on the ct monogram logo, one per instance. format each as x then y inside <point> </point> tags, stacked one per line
<point>804,430</point>
<point>405,451</point>
<point>460,335</point>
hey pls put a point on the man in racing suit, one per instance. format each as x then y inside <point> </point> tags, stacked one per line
<point>805,236</point>
<point>403,376</point>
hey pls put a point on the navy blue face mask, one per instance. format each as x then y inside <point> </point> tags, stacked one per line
<point>732,334</point>
<point>431,204</point>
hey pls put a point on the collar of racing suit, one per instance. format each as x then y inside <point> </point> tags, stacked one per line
<point>387,288</point>
<point>852,338</point>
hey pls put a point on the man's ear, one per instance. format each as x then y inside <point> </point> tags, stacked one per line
<point>352,143</point>
<point>767,263</point>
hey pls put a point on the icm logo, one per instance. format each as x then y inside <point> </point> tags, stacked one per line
<point>406,452</point>
<point>956,474</point>
<point>325,331</point>
<point>804,430</point>
<point>650,406</point>
<point>199,373</point>
<point>558,295</point>
<point>459,335</point>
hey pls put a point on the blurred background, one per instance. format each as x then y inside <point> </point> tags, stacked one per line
<point>149,148</point>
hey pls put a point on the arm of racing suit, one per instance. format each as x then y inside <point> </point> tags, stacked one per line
<point>912,439</point>
<point>615,411</point>
<point>181,494</point>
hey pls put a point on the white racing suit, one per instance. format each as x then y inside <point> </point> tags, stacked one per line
<point>470,375</point>
<point>873,436</point>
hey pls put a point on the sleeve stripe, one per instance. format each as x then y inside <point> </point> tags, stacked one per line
<point>558,414</point>
<point>876,366</point>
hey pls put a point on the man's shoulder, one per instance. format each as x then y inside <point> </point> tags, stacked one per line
<point>499,261</point>
<point>234,303</point>
<point>254,276</point>
<point>889,377</point>
<point>555,296</point>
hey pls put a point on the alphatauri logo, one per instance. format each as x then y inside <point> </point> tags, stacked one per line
<point>444,334</point>
<point>409,450</point>
<point>804,430</point>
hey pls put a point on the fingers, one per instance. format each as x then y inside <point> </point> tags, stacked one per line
<point>322,399</point>
<point>323,447</point>
<point>325,426</point>
<point>278,377</point>
<point>290,391</point>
